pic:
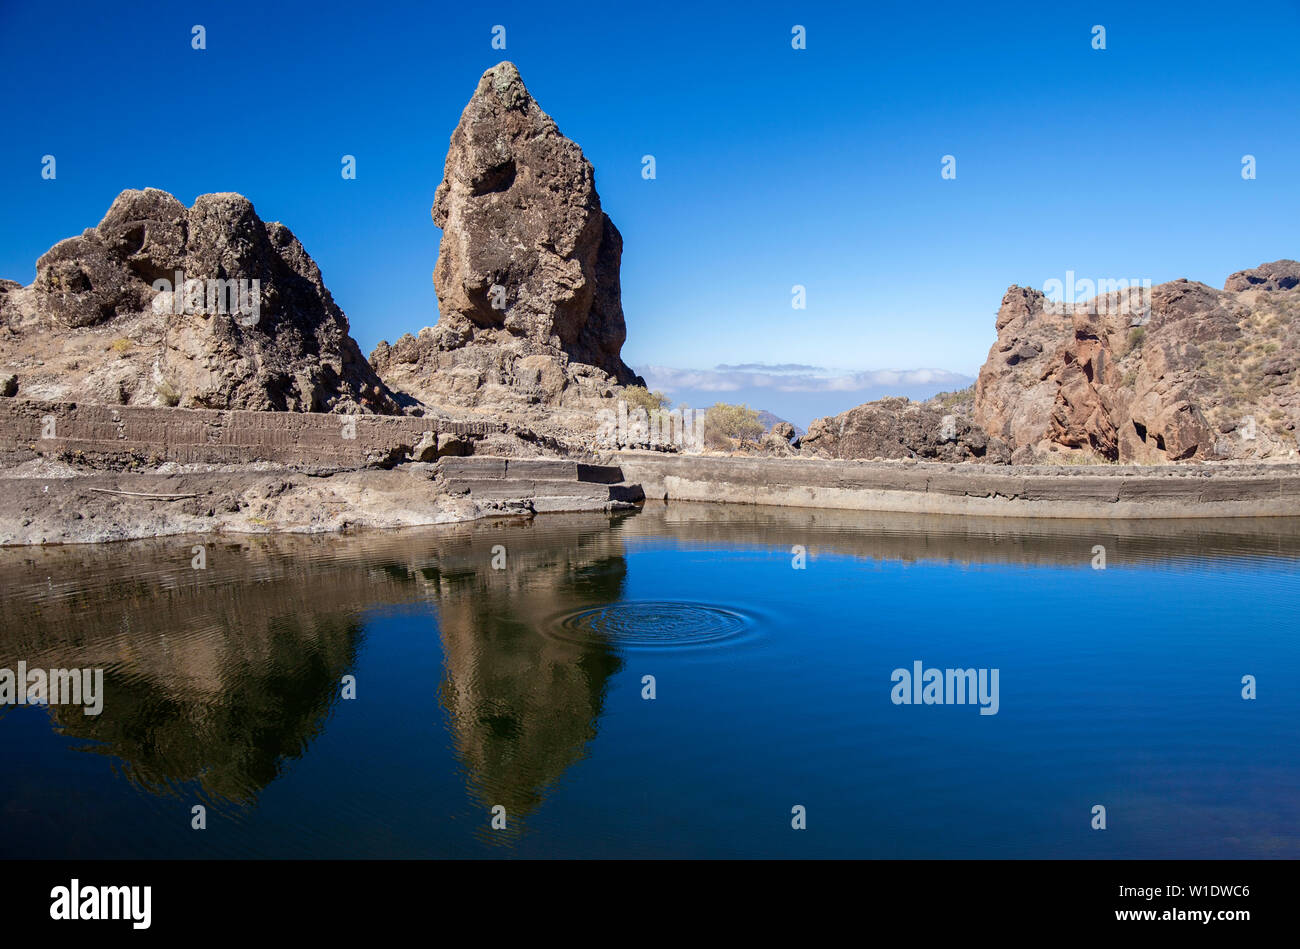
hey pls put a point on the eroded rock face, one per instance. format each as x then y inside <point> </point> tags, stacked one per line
<point>1188,373</point>
<point>1279,275</point>
<point>93,327</point>
<point>899,428</point>
<point>777,440</point>
<point>527,275</point>
<point>1201,374</point>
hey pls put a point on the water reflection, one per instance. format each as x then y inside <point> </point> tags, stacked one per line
<point>218,679</point>
<point>942,538</point>
<point>522,707</point>
<point>221,676</point>
<point>215,677</point>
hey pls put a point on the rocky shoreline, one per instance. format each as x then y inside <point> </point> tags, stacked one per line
<point>44,502</point>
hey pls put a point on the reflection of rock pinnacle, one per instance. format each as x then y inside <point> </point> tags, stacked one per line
<point>523,706</point>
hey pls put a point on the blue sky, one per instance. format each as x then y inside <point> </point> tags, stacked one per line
<point>775,167</point>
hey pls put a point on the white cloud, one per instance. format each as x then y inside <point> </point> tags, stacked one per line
<point>795,378</point>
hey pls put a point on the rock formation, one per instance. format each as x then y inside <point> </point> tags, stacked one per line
<point>777,440</point>
<point>527,275</point>
<point>1199,374</point>
<point>98,324</point>
<point>1183,372</point>
<point>770,422</point>
<point>899,428</point>
<point>1279,275</point>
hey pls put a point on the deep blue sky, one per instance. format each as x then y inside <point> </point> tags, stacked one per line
<point>775,167</point>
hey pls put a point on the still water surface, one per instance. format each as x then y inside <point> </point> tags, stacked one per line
<point>523,687</point>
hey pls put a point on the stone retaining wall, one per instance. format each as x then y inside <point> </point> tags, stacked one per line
<point>930,488</point>
<point>116,435</point>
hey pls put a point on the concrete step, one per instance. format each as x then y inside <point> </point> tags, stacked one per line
<point>571,505</point>
<point>472,467</point>
<point>478,467</point>
<point>555,469</point>
<point>513,488</point>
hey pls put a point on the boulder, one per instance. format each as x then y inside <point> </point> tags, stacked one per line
<point>252,325</point>
<point>426,449</point>
<point>454,446</point>
<point>895,428</point>
<point>776,441</point>
<point>782,430</point>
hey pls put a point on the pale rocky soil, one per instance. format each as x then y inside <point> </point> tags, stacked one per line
<point>46,502</point>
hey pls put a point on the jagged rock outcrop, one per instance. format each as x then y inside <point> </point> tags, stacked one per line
<point>777,440</point>
<point>782,430</point>
<point>96,327</point>
<point>1189,373</point>
<point>899,428</point>
<point>1178,372</point>
<point>527,276</point>
<point>1279,275</point>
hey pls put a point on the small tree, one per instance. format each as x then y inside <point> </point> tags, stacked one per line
<point>639,397</point>
<point>724,423</point>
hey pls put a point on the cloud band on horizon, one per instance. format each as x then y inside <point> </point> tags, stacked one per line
<point>794,377</point>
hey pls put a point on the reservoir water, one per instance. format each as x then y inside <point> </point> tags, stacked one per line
<point>687,681</point>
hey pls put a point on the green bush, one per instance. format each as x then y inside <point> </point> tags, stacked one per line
<point>639,397</point>
<point>724,423</point>
<point>168,394</point>
<point>949,399</point>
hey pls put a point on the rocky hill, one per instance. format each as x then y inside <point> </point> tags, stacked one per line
<point>201,307</point>
<point>1193,374</point>
<point>527,277</point>
<point>1182,373</point>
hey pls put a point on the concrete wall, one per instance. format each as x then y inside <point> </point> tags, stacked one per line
<point>929,488</point>
<point>115,435</point>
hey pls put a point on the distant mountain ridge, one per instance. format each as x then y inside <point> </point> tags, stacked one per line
<point>769,419</point>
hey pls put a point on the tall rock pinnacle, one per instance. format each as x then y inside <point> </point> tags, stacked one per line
<point>528,262</point>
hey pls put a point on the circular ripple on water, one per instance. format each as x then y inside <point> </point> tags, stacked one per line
<point>651,624</point>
